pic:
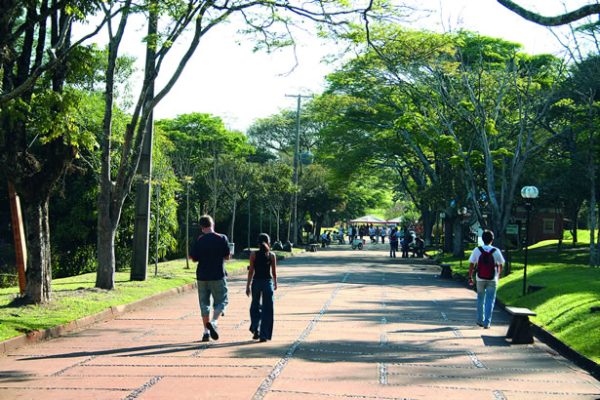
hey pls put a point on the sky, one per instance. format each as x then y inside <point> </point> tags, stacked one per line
<point>227,79</point>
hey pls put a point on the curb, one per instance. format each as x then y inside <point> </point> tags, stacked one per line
<point>113,312</point>
<point>561,348</point>
<point>555,344</point>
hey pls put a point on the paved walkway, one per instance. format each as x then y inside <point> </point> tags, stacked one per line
<point>349,325</point>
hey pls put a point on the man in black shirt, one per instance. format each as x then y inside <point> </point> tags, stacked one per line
<point>210,251</point>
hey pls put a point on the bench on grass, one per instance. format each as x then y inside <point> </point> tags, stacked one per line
<point>312,247</point>
<point>520,327</point>
<point>446,271</point>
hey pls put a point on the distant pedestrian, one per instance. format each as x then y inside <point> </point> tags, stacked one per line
<point>393,242</point>
<point>211,250</point>
<point>405,243</point>
<point>382,233</point>
<point>261,283</point>
<point>488,260</point>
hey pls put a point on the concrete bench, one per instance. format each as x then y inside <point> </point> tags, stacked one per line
<point>446,271</point>
<point>520,327</point>
<point>312,247</point>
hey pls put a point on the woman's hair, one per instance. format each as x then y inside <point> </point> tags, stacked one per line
<point>264,242</point>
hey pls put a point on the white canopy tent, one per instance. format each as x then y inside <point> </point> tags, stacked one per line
<point>395,221</point>
<point>368,219</point>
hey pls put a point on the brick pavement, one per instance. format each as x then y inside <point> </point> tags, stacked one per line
<point>349,325</point>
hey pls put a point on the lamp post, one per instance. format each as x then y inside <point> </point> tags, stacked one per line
<point>528,193</point>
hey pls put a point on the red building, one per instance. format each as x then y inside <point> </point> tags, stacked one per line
<point>544,223</point>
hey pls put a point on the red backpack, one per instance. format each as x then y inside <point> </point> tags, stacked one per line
<point>486,265</point>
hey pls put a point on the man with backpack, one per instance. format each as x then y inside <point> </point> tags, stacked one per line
<point>489,261</point>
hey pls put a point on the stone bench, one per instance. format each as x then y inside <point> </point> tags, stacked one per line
<point>446,271</point>
<point>520,327</point>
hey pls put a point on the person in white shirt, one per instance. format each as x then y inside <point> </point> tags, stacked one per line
<point>489,262</point>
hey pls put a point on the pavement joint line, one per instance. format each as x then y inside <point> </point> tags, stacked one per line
<point>78,364</point>
<point>176,366</point>
<point>137,392</point>
<point>498,395</point>
<point>200,350</point>
<point>383,340</point>
<point>267,383</point>
<point>352,396</point>
<point>456,332</point>
<point>444,316</point>
<point>73,389</point>
<point>239,324</point>
<point>143,335</point>
<point>475,360</point>
<point>531,392</point>
<point>328,351</point>
<point>487,379</point>
<point>541,370</point>
<point>383,374</point>
<point>186,316</point>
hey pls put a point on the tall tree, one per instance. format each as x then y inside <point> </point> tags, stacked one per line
<point>39,135</point>
<point>269,20</point>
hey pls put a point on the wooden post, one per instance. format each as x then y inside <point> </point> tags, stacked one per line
<point>18,235</point>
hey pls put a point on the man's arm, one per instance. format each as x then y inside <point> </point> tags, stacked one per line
<point>471,269</point>
<point>194,251</point>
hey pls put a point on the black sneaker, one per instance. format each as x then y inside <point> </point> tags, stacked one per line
<point>262,340</point>
<point>480,324</point>
<point>205,337</point>
<point>214,334</point>
<point>255,335</point>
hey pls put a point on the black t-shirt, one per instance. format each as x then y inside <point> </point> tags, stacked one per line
<point>262,265</point>
<point>210,251</point>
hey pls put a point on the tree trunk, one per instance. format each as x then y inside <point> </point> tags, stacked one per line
<point>457,249</point>
<point>39,272</point>
<point>233,218</point>
<point>277,225</point>
<point>575,220</point>
<point>448,223</point>
<point>105,275</point>
<point>594,256</point>
<point>215,195</point>
<point>428,223</point>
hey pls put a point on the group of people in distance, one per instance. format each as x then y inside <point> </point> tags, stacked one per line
<point>211,250</point>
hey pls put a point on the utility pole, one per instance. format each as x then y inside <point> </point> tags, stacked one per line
<point>157,228</point>
<point>188,180</point>
<point>16,218</point>
<point>296,160</point>
<point>142,205</point>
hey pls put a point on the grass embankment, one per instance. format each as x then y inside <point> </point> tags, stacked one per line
<point>75,297</point>
<point>571,289</point>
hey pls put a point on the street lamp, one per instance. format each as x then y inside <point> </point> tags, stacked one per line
<point>528,193</point>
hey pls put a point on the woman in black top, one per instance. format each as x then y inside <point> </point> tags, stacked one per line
<point>263,275</point>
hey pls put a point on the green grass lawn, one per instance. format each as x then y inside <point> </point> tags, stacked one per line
<point>571,288</point>
<point>76,297</point>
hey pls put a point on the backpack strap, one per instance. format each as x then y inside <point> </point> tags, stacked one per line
<point>493,250</point>
<point>480,249</point>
